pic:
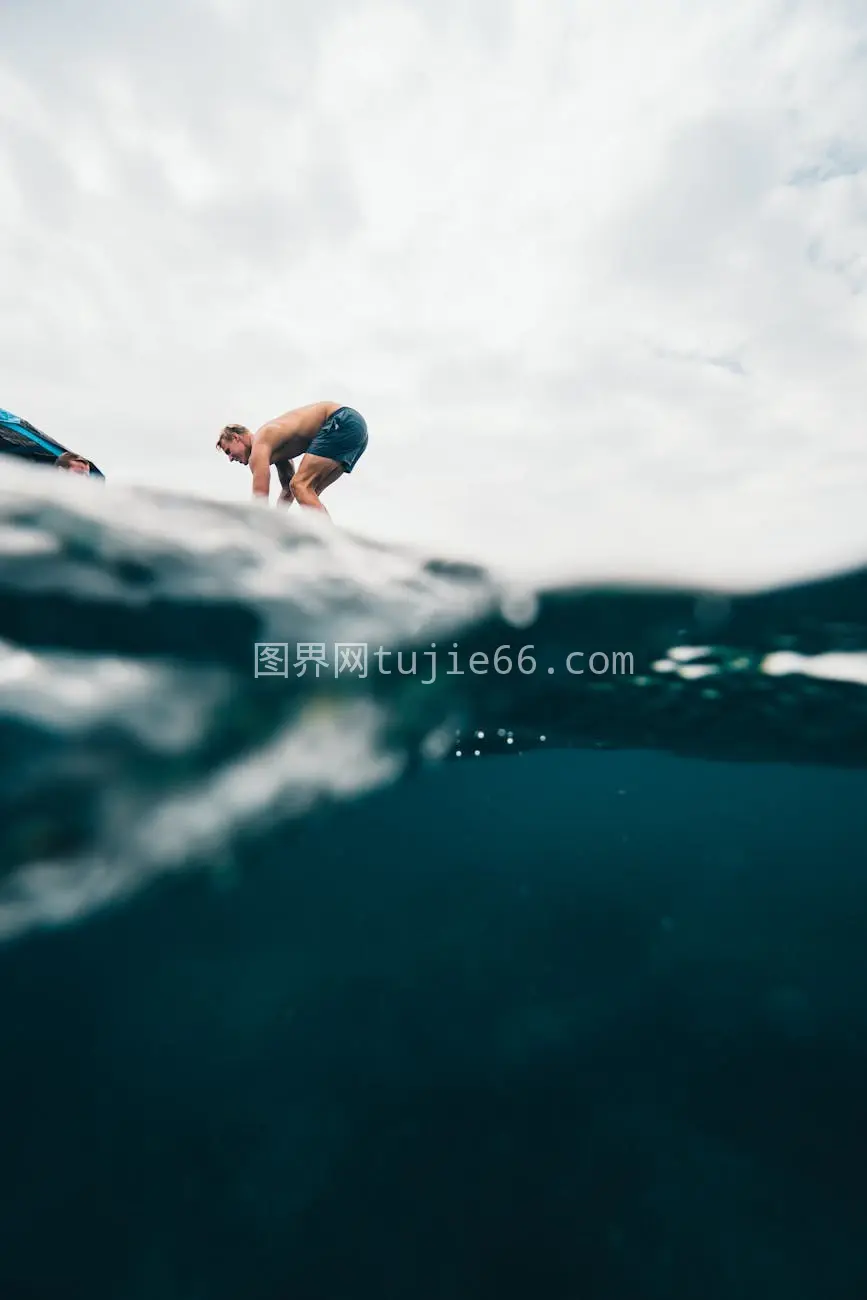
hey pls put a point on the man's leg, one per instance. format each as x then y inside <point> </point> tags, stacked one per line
<point>313,476</point>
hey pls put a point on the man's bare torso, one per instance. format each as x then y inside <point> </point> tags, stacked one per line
<point>290,434</point>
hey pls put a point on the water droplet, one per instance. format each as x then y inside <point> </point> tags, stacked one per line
<point>519,607</point>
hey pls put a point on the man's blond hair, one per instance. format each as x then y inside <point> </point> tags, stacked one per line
<point>231,431</point>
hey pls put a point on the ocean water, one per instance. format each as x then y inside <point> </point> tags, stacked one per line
<point>456,983</point>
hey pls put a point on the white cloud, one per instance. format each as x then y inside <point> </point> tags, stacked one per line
<point>595,277</point>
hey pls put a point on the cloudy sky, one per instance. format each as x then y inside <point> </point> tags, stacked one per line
<point>594,274</point>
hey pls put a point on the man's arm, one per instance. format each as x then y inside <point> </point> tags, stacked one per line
<point>260,468</point>
<point>285,470</point>
<point>265,441</point>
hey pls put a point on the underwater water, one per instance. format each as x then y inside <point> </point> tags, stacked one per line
<point>439,984</point>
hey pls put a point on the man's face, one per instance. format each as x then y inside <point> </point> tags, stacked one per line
<point>78,467</point>
<point>236,448</point>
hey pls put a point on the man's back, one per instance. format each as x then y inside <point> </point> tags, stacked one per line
<point>288,434</point>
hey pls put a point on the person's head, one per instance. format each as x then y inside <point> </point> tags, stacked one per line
<point>236,442</point>
<point>73,463</point>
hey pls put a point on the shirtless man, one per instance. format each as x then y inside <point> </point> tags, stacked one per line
<point>329,438</point>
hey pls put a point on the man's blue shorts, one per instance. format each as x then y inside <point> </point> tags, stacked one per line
<point>343,437</point>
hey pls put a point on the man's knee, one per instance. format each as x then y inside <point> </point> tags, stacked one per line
<point>304,490</point>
